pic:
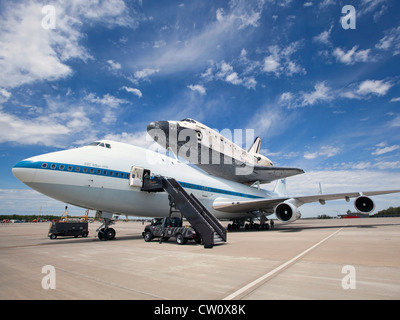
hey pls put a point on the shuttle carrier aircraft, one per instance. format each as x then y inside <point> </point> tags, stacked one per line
<point>117,178</point>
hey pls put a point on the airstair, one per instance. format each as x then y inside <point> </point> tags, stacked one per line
<point>202,220</point>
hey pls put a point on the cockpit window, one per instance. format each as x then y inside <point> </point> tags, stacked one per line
<point>189,120</point>
<point>100,144</point>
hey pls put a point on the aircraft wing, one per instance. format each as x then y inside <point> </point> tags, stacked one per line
<point>268,205</point>
<point>335,196</point>
<point>249,174</point>
<point>226,205</point>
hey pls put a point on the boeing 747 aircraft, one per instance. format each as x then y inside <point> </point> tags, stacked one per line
<point>108,177</point>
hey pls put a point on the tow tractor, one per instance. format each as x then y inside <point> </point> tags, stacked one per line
<point>165,228</point>
<point>66,227</point>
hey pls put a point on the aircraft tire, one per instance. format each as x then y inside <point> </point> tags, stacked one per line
<point>109,234</point>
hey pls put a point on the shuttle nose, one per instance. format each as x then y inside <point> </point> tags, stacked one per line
<point>160,125</point>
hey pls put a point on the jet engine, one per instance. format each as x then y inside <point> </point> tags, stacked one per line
<point>287,212</point>
<point>364,205</point>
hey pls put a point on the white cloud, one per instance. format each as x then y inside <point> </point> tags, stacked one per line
<point>107,100</point>
<point>395,99</point>
<point>194,49</point>
<point>349,95</point>
<point>243,14</point>
<point>271,64</point>
<point>32,53</point>
<point>286,96</point>
<point>57,128</point>
<point>384,165</point>
<point>390,40</point>
<point>395,122</point>
<point>233,78</point>
<point>326,3</point>
<point>140,139</point>
<point>145,73</point>
<point>324,36</point>
<point>4,95</point>
<point>41,130</point>
<point>325,151</point>
<point>267,121</point>
<point>321,93</point>
<point>352,56</point>
<point>198,88</point>
<point>27,56</point>
<point>383,148</point>
<point>133,90</point>
<point>108,12</point>
<point>377,87</point>
<point>377,7</point>
<point>113,65</point>
<point>225,72</point>
<point>279,61</point>
<point>28,201</point>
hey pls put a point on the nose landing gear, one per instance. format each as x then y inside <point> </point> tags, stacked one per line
<point>104,232</point>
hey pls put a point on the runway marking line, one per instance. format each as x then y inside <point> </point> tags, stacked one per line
<point>254,283</point>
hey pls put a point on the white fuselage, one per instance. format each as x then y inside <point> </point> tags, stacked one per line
<point>97,178</point>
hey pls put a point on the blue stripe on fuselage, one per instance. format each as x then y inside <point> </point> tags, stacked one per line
<point>105,172</point>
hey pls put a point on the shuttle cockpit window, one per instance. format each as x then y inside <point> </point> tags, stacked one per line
<point>189,120</point>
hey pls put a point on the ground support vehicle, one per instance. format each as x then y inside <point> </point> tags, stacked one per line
<point>68,228</point>
<point>165,228</point>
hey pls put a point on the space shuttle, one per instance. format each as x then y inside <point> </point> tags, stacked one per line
<point>176,133</point>
<point>213,152</point>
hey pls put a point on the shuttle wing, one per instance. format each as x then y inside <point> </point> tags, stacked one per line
<point>268,205</point>
<point>249,174</point>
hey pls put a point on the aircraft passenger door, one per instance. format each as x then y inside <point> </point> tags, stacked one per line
<point>136,177</point>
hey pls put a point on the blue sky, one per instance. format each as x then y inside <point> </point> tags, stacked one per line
<point>321,97</point>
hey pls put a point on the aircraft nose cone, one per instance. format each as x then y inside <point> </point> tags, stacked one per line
<point>24,172</point>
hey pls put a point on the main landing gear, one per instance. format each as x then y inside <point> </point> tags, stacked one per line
<point>104,232</point>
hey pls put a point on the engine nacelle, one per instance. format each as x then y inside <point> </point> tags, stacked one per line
<point>364,205</point>
<point>287,212</point>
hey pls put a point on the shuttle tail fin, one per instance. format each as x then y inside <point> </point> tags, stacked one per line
<point>255,147</point>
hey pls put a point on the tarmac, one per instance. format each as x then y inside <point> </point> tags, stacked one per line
<point>335,259</point>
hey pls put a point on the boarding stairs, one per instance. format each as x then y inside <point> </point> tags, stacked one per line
<point>202,220</point>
